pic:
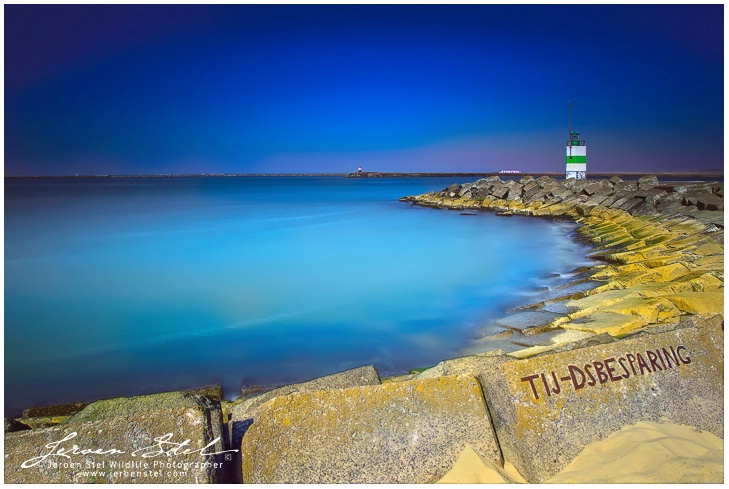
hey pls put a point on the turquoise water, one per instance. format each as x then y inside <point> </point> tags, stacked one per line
<point>127,286</point>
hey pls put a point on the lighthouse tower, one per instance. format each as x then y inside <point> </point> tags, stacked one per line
<point>576,158</point>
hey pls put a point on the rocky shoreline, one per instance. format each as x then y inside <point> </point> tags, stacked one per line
<point>648,234</point>
<point>643,345</point>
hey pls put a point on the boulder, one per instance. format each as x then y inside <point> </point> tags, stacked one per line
<point>214,391</point>
<point>598,339</point>
<point>243,413</point>
<point>652,196</point>
<point>598,199</point>
<point>601,187</point>
<point>500,191</point>
<point>700,303</point>
<point>647,182</point>
<point>515,192</point>
<point>629,204</point>
<point>619,198</point>
<point>482,193</point>
<point>652,309</point>
<point>487,182</point>
<point>471,364</point>
<point>672,209</point>
<point>712,329</point>
<point>546,182</point>
<point>576,185</point>
<point>539,196</point>
<point>613,323</point>
<point>530,189</point>
<point>453,190</point>
<point>713,219</point>
<point>704,201</point>
<point>12,424</point>
<point>571,183</point>
<point>54,410</point>
<point>625,187</point>
<point>644,209</point>
<point>701,187</point>
<point>561,193</point>
<point>669,199</point>
<point>527,180</point>
<point>527,319</point>
<point>172,437</point>
<point>35,423</point>
<point>398,432</point>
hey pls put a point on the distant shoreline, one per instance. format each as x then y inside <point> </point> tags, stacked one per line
<point>707,174</point>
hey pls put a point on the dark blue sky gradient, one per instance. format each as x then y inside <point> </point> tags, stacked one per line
<point>132,89</point>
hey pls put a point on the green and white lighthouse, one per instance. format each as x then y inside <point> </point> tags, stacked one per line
<point>576,158</point>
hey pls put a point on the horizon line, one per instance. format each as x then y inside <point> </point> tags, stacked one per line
<point>711,172</point>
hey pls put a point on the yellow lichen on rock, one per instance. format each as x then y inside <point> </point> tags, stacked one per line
<point>398,432</point>
<point>700,303</point>
<point>615,324</point>
<point>713,262</point>
<point>660,264</point>
<point>592,303</point>
<point>656,263</point>
<point>710,249</point>
<point>665,268</point>
<point>653,310</point>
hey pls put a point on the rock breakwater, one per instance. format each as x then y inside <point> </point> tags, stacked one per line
<point>661,244</point>
<point>644,347</point>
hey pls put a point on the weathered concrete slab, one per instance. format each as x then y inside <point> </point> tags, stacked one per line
<point>40,422</point>
<point>54,410</point>
<point>12,424</point>
<point>366,375</point>
<point>527,319</point>
<point>214,391</point>
<point>471,364</point>
<point>545,410</point>
<point>37,417</point>
<point>163,438</point>
<point>398,432</point>
<point>244,413</point>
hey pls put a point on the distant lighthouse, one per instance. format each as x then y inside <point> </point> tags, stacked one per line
<point>576,158</point>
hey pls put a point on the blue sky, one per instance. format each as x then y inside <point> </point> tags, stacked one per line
<point>131,89</point>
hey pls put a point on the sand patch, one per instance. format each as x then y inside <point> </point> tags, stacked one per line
<point>649,453</point>
<point>644,453</point>
<point>471,468</point>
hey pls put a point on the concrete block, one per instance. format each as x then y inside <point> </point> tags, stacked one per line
<point>398,432</point>
<point>545,410</point>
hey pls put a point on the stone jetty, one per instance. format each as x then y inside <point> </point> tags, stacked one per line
<point>642,346</point>
<point>662,244</point>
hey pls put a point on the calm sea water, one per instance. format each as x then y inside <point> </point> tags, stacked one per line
<point>127,286</point>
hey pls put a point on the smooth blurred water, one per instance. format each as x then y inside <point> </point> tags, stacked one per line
<point>127,286</point>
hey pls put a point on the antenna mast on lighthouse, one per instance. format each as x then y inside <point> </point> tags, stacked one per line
<point>569,124</point>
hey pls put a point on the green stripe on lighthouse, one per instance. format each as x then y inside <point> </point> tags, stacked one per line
<point>576,159</point>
